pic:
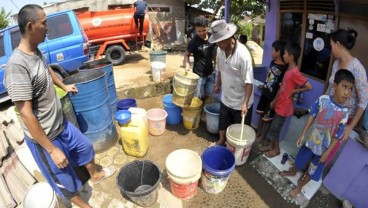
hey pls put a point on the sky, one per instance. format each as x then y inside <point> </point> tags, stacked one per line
<point>13,6</point>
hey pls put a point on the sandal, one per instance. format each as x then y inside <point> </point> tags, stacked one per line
<point>109,171</point>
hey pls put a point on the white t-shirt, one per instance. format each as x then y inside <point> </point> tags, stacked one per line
<point>236,71</point>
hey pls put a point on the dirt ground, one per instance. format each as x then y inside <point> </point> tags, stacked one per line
<point>245,188</point>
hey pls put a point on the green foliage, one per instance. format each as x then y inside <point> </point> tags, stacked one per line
<point>245,29</point>
<point>238,8</point>
<point>4,18</point>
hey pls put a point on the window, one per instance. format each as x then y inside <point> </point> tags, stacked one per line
<point>59,26</point>
<point>291,27</point>
<point>2,48</point>
<point>317,49</point>
<point>15,38</point>
<point>309,22</point>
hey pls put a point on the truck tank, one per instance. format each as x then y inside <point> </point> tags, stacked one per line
<point>100,25</point>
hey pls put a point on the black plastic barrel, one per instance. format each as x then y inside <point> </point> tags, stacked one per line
<point>105,65</point>
<point>92,108</point>
<point>138,180</point>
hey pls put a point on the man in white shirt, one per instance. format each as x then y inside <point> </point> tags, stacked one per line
<point>235,77</point>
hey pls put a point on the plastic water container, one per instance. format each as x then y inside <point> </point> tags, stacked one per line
<point>139,181</point>
<point>157,69</point>
<point>156,121</point>
<point>212,117</point>
<point>184,84</point>
<point>192,114</point>
<point>184,169</point>
<point>158,56</point>
<point>218,163</point>
<point>40,195</point>
<point>126,103</point>
<point>240,148</point>
<point>173,111</point>
<point>134,134</point>
<point>92,108</point>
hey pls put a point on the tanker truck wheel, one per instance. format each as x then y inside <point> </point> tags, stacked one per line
<point>116,54</point>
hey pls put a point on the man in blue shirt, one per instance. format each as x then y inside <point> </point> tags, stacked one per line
<point>140,10</point>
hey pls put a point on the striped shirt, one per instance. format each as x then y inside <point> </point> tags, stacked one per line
<point>27,78</point>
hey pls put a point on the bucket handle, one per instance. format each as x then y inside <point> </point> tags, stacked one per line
<point>178,93</point>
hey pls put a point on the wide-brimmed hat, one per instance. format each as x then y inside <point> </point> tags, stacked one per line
<point>220,30</point>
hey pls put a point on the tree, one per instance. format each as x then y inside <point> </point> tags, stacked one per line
<point>4,18</point>
<point>238,8</point>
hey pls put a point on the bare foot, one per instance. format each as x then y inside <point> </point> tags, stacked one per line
<point>272,153</point>
<point>258,139</point>
<point>265,148</point>
<point>295,191</point>
<point>301,178</point>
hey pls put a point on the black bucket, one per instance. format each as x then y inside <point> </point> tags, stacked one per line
<point>138,180</point>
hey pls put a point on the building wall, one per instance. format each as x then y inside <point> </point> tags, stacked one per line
<point>361,26</point>
<point>94,5</point>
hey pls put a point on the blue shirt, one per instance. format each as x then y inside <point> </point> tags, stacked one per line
<point>140,7</point>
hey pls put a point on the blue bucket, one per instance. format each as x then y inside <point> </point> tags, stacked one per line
<point>173,111</point>
<point>125,104</point>
<point>218,163</point>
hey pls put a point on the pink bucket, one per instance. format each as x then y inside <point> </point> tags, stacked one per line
<point>156,121</point>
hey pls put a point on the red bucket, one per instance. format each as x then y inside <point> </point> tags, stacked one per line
<point>183,191</point>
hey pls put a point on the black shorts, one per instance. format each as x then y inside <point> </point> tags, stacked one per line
<point>263,105</point>
<point>276,126</point>
<point>230,116</point>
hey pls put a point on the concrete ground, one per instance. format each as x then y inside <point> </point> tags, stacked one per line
<point>245,188</point>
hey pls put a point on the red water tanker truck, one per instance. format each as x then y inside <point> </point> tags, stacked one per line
<point>112,33</point>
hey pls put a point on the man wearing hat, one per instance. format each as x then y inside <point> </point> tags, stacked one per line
<point>235,77</point>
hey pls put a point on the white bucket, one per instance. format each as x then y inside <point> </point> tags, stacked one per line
<point>240,148</point>
<point>157,70</point>
<point>40,195</point>
<point>184,169</point>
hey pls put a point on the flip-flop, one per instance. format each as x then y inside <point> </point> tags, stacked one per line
<point>109,171</point>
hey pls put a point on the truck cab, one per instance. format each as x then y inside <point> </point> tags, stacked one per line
<point>65,47</point>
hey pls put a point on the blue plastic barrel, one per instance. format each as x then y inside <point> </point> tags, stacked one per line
<point>173,111</point>
<point>125,104</point>
<point>105,65</point>
<point>218,162</point>
<point>92,108</point>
